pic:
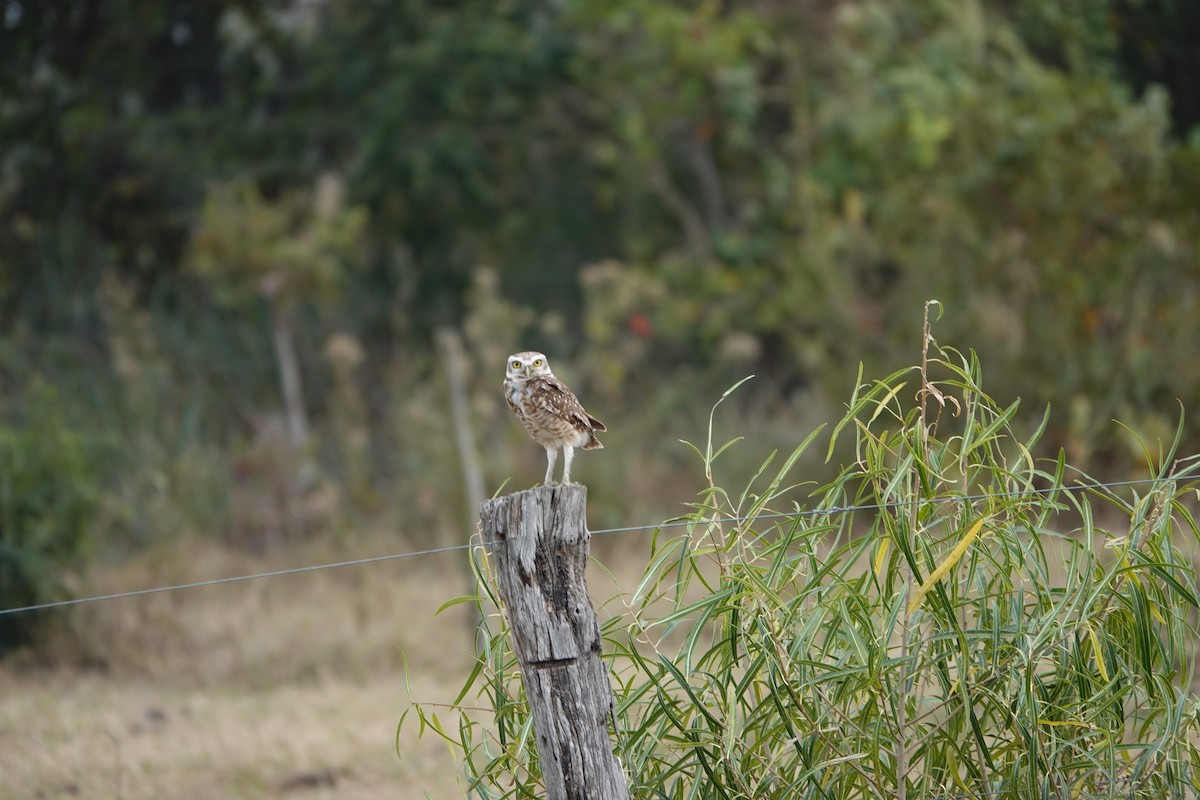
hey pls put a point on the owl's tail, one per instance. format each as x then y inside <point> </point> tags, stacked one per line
<point>593,443</point>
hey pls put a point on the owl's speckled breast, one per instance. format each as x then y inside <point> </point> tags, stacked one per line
<point>548,411</point>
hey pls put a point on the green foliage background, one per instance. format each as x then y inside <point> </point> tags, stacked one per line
<point>46,501</point>
<point>663,196</point>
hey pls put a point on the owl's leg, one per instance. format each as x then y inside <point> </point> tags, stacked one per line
<point>568,454</point>
<point>551,457</point>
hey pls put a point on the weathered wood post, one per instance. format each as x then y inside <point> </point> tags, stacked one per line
<point>538,540</point>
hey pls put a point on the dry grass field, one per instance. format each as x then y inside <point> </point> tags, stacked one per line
<point>284,687</point>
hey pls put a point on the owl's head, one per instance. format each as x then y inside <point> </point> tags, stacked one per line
<point>529,364</point>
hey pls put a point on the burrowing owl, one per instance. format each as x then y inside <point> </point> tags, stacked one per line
<point>549,411</point>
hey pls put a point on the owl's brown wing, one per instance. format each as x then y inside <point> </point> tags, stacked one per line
<point>557,398</point>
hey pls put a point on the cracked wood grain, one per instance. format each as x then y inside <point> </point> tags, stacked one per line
<point>538,540</point>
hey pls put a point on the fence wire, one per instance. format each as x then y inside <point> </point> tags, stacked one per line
<point>671,523</point>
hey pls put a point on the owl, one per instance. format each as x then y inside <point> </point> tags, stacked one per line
<point>549,411</point>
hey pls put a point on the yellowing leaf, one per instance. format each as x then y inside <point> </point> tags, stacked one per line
<point>945,566</point>
<point>880,557</point>
<point>1062,722</point>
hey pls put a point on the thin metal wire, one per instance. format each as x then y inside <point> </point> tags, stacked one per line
<point>629,529</point>
<point>235,579</point>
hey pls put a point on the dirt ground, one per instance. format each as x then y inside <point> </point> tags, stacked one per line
<point>278,688</point>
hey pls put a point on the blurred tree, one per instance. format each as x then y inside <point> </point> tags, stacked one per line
<point>296,248</point>
<point>983,154</point>
<point>539,137</point>
<point>1160,45</point>
<point>1034,197</point>
<point>770,187</point>
<point>442,113</point>
<point>87,145</point>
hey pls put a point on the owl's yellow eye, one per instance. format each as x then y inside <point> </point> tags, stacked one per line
<point>537,363</point>
<point>516,365</point>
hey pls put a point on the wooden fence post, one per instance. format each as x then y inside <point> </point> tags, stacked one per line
<point>538,540</point>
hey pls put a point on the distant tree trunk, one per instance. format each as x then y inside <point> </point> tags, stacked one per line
<point>450,344</point>
<point>289,377</point>
<point>708,179</point>
<point>695,232</point>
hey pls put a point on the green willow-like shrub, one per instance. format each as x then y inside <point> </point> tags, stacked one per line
<point>948,618</point>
